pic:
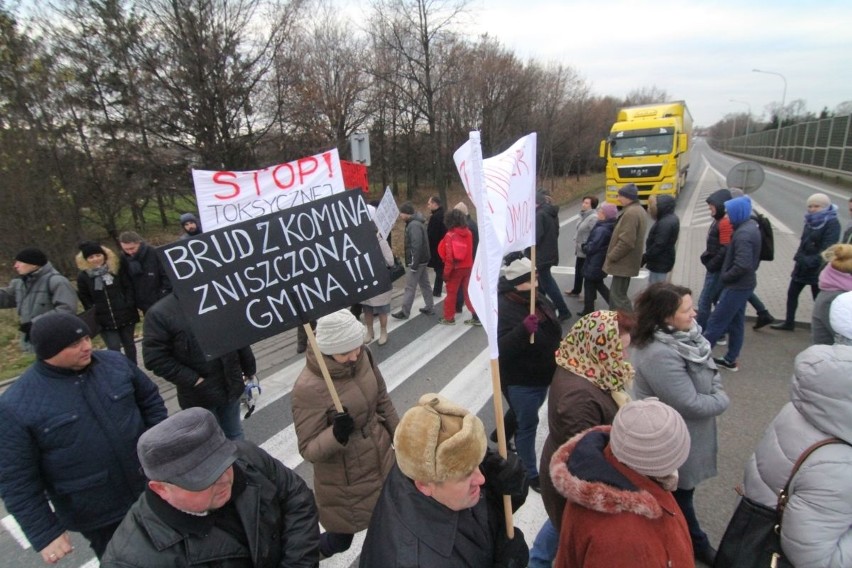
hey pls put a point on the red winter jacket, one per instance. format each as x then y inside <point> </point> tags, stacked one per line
<point>456,248</point>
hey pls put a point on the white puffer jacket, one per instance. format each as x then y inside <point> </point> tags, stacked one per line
<point>817,524</point>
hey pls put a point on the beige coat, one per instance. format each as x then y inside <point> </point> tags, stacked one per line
<point>384,298</point>
<point>624,255</point>
<point>347,479</point>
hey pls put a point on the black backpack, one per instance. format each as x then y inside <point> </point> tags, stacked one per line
<point>767,238</point>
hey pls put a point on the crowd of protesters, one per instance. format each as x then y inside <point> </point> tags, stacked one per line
<point>633,396</point>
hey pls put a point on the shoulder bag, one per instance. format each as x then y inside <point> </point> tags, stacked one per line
<point>753,536</point>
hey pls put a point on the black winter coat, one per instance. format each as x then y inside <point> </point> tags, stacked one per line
<point>70,437</point>
<point>275,506</point>
<point>523,363</point>
<point>114,303</point>
<point>714,251</point>
<point>808,258</point>
<point>546,236</point>
<point>436,229</point>
<point>171,351</point>
<point>595,248</point>
<point>150,282</point>
<point>661,244</point>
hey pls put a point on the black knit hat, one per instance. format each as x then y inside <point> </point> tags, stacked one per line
<point>88,248</point>
<point>32,256</point>
<point>53,332</point>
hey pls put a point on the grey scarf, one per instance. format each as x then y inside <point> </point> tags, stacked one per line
<point>690,345</point>
<point>101,276</point>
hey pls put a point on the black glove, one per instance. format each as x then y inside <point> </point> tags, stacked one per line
<point>511,553</point>
<point>504,476</point>
<point>342,427</point>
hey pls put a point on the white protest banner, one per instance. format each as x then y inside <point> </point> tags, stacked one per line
<point>227,197</point>
<point>482,289</point>
<point>510,193</point>
<point>386,213</point>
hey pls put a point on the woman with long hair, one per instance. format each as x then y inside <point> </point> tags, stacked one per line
<point>674,363</point>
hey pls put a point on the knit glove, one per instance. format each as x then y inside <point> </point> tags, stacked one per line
<point>531,323</point>
<point>511,553</point>
<point>342,427</point>
<point>504,476</point>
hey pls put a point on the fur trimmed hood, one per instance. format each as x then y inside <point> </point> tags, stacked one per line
<point>585,472</point>
<point>112,260</point>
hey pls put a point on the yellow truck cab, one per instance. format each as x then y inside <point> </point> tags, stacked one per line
<point>649,146</point>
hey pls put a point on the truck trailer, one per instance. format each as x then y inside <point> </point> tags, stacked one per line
<point>648,146</point>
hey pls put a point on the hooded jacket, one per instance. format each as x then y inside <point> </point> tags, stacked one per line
<point>817,524</point>
<point>274,505</point>
<point>190,217</point>
<point>714,252</point>
<point>624,255</point>
<point>171,351</point>
<point>347,479</point>
<point>614,516</point>
<point>660,246</point>
<point>445,248</point>
<point>416,242</point>
<point>112,298</point>
<point>742,257</point>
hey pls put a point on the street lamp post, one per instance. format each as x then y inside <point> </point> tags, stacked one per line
<point>783,101</point>
<point>748,118</point>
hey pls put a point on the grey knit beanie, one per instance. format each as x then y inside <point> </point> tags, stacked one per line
<point>649,437</point>
<point>339,333</point>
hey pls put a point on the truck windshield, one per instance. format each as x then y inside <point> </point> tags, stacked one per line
<point>625,145</point>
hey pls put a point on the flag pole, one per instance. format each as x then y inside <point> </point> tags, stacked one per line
<point>501,439</point>
<point>532,290</point>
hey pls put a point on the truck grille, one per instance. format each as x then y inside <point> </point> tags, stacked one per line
<point>643,171</point>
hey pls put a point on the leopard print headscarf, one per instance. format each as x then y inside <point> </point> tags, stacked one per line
<point>593,350</point>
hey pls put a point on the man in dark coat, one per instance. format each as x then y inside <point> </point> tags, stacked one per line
<point>170,350</point>
<point>441,504</point>
<point>661,244</point>
<point>436,229</point>
<point>70,425</point>
<point>212,502</point>
<point>547,252</point>
<point>417,257</point>
<point>139,260</point>
<point>191,226</point>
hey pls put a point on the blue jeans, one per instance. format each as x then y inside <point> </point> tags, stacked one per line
<point>228,416</point>
<point>551,288</point>
<point>684,498</point>
<point>709,295</point>
<point>526,402</point>
<point>543,551</point>
<point>729,316</point>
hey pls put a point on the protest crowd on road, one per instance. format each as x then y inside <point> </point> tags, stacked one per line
<point>633,392</point>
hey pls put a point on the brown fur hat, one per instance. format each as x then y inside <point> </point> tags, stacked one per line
<point>438,440</point>
<point>840,257</point>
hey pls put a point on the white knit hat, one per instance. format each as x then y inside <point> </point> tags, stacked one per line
<point>649,437</point>
<point>339,333</point>
<point>840,318</point>
<point>518,271</point>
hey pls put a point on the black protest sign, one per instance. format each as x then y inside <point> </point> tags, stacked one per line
<point>255,279</point>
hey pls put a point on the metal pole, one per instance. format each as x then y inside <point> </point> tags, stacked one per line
<point>780,111</point>
<point>748,118</point>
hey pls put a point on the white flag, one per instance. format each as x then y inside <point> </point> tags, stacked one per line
<point>502,189</point>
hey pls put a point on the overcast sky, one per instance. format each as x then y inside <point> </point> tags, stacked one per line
<point>699,51</point>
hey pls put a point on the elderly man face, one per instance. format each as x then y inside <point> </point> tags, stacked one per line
<point>210,499</point>
<point>24,268</point>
